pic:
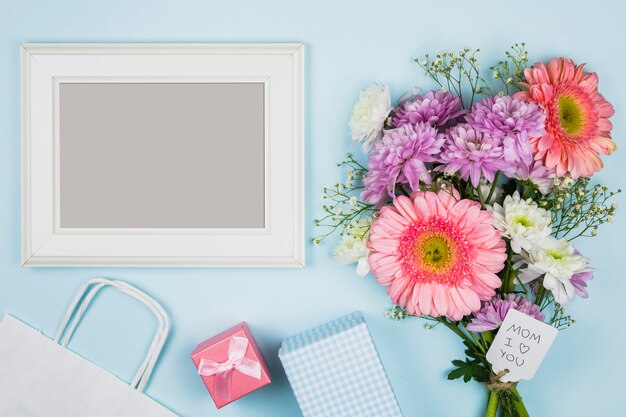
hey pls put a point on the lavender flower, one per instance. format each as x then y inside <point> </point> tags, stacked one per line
<point>399,157</point>
<point>514,121</point>
<point>435,108</point>
<point>472,154</point>
<point>492,313</point>
<point>536,173</point>
<point>579,281</point>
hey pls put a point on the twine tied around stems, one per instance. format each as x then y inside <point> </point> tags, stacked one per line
<point>496,385</point>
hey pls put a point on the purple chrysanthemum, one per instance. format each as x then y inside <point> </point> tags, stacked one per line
<point>399,157</point>
<point>492,313</point>
<point>472,154</point>
<point>536,173</point>
<point>579,281</point>
<point>435,108</point>
<point>513,120</point>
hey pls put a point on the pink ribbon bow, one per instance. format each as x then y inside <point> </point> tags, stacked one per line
<point>223,371</point>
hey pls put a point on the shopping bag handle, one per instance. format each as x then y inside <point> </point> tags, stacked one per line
<point>146,368</point>
<point>81,302</point>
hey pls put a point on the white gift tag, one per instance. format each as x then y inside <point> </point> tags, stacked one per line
<point>520,346</point>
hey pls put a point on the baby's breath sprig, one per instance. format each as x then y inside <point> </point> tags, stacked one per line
<point>578,207</point>
<point>342,206</point>
<point>510,71</point>
<point>560,319</point>
<point>397,313</point>
<point>458,72</point>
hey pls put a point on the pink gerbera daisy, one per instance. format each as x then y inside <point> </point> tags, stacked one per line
<point>577,126</point>
<point>437,255</point>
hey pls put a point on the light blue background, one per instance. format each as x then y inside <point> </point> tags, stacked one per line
<point>349,45</point>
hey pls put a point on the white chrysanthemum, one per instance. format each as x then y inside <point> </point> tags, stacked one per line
<point>522,221</point>
<point>353,247</point>
<point>351,250</point>
<point>369,114</point>
<point>557,261</point>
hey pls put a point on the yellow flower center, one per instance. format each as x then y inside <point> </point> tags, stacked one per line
<point>524,221</point>
<point>571,115</point>
<point>555,254</point>
<point>435,252</point>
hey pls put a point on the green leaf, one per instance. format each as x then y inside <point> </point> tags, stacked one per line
<point>468,369</point>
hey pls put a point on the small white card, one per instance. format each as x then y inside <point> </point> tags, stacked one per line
<point>520,346</point>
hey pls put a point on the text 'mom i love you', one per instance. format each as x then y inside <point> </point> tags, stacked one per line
<point>520,345</point>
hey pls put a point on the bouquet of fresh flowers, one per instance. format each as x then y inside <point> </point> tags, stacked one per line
<point>471,197</point>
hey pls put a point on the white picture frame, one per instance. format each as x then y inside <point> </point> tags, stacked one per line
<point>280,67</point>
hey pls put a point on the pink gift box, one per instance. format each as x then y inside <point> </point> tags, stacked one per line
<point>231,365</point>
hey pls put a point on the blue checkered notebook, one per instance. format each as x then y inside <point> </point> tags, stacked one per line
<point>335,371</point>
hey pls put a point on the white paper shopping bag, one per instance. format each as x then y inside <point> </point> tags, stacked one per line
<point>41,377</point>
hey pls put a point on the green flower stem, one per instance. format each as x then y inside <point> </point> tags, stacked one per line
<point>519,405</point>
<point>456,330</point>
<point>539,296</point>
<point>492,405</point>
<point>481,200</point>
<point>508,284</point>
<point>478,342</point>
<point>510,287</point>
<point>493,187</point>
